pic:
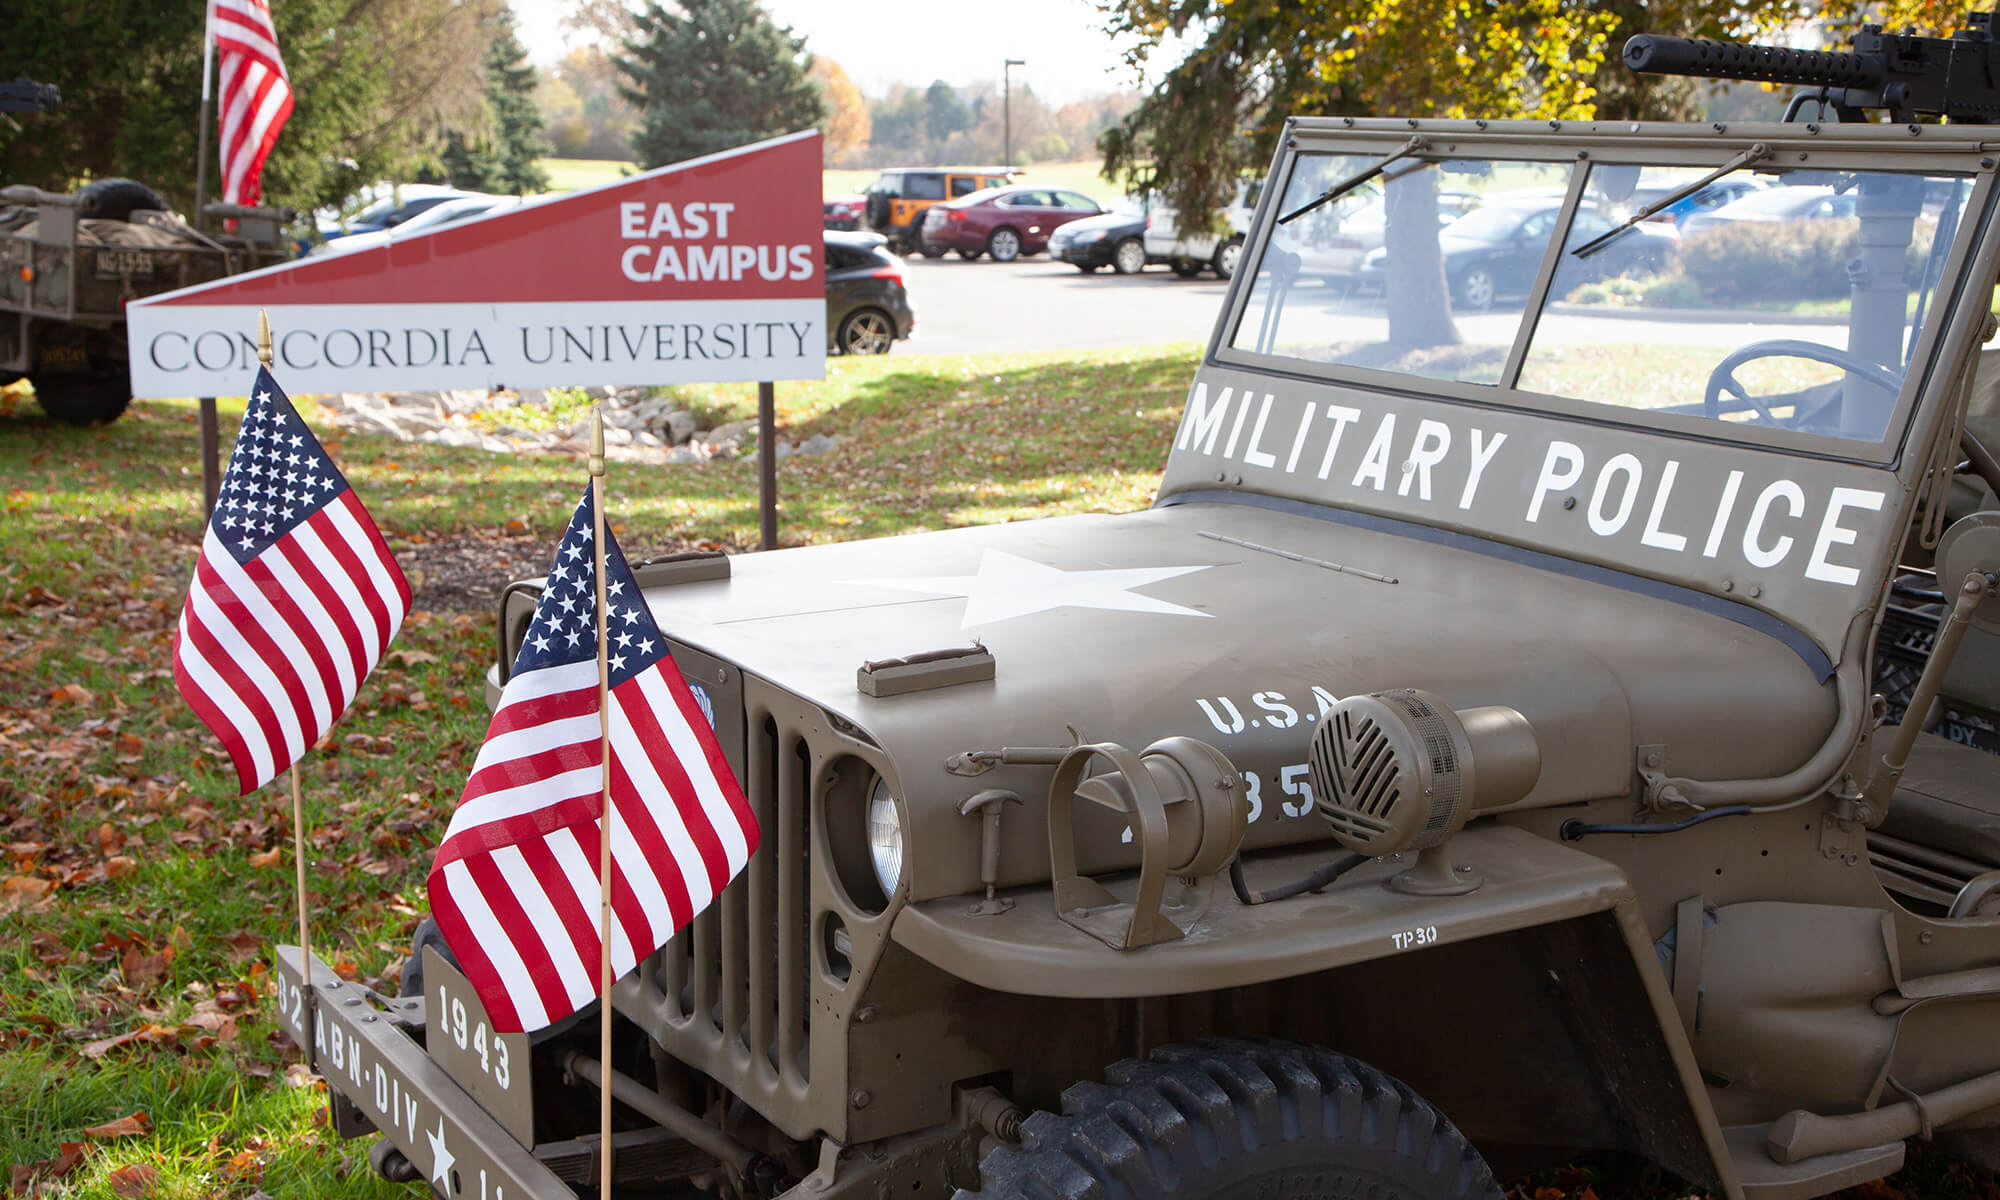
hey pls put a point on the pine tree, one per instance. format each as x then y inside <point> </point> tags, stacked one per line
<point>716,75</point>
<point>505,160</point>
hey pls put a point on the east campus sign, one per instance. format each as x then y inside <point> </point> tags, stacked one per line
<point>704,271</point>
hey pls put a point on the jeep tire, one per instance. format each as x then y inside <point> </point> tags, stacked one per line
<point>93,398</point>
<point>1235,1119</point>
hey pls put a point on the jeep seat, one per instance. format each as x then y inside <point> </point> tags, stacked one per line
<point>1943,826</point>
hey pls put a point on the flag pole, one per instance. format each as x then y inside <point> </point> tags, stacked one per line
<point>610,815</point>
<point>201,139</point>
<point>298,801</point>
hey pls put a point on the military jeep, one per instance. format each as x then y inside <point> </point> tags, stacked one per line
<point>1562,723</point>
<point>71,262</point>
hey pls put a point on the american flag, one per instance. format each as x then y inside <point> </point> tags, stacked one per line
<point>514,888</point>
<point>255,96</point>
<point>294,600</point>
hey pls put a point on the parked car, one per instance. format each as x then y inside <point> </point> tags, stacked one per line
<point>447,210</point>
<point>1773,205</point>
<point>1707,199</point>
<point>1217,252</point>
<point>844,212</point>
<point>398,204</point>
<point>1496,249</point>
<point>867,306</point>
<point>896,201</point>
<point>1334,247</point>
<point>1005,222</point>
<point>1116,239</point>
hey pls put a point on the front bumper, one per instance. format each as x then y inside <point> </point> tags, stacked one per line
<point>1085,254</point>
<point>361,1044</point>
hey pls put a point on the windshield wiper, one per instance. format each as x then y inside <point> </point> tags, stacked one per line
<point>1415,145</point>
<point>1758,151</point>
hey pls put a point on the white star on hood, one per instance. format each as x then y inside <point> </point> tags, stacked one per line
<point>1010,586</point>
<point>442,1160</point>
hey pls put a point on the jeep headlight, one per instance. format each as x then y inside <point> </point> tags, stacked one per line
<point>885,837</point>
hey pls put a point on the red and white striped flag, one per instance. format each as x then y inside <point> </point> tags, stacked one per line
<point>514,888</point>
<point>294,600</point>
<point>255,96</point>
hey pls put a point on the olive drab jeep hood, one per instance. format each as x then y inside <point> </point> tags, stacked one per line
<point>1237,623</point>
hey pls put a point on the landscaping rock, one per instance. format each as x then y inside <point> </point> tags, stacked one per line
<point>638,427</point>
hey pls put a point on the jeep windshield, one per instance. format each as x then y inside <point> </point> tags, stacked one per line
<point>1792,314</point>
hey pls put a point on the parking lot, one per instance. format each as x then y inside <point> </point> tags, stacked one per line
<point>986,307</point>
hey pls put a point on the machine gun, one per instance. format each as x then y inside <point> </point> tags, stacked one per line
<point>1957,78</point>
<point>25,95</point>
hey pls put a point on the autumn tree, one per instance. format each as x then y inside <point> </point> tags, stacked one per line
<point>374,82</point>
<point>717,74</point>
<point>586,115</point>
<point>847,124</point>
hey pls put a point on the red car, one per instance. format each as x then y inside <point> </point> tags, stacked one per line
<point>1005,222</point>
<point>843,212</point>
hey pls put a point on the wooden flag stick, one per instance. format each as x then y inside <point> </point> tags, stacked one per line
<point>610,816</point>
<point>298,800</point>
<point>299,864</point>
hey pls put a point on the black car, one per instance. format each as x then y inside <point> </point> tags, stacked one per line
<point>867,307</point>
<point>1116,239</point>
<point>1495,250</point>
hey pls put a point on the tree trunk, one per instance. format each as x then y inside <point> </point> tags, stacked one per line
<point>1418,302</point>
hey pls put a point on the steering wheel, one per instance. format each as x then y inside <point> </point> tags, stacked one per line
<point>1724,374</point>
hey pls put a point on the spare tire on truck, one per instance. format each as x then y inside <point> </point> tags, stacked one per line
<point>116,199</point>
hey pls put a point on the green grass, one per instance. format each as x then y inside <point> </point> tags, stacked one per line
<point>139,894</point>
<point>570,174</point>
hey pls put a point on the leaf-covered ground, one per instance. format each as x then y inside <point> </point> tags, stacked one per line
<point>139,896</point>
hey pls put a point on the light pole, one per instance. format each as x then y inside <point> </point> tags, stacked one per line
<point>1007,109</point>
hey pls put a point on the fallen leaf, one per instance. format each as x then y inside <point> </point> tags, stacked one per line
<point>268,858</point>
<point>69,1154</point>
<point>22,891</point>
<point>119,865</point>
<point>299,1075</point>
<point>49,949</point>
<point>137,1124</point>
<point>244,1165</point>
<point>244,946</point>
<point>144,970</point>
<point>134,1181</point>
<point>411,658</point>
<point>71,693</point>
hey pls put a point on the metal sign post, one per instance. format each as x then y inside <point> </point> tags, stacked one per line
<point>211,457</point>
<point>767,463</point>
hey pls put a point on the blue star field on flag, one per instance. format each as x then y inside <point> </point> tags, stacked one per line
<point>278,475</point>
<point>564,629</point>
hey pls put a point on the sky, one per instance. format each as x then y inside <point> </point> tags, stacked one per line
<point>879,42</point>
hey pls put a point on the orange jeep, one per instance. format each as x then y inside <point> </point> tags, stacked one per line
<point>898,197</point>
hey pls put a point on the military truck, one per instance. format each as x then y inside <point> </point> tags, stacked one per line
<point>1550,725</point>
<point>70,262</point>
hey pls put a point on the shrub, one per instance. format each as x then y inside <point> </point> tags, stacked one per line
<point>1754,260</point>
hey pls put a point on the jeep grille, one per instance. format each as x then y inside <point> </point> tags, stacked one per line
<point>728,995</point>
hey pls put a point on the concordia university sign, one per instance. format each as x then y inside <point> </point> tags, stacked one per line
<point>708,270</point>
